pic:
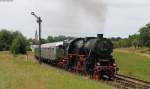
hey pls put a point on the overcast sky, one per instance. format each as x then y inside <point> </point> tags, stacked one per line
<point>76,17</point>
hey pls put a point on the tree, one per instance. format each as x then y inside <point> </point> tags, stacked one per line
<point>59,38</point>
<point>132,40</point>
<point>136,40</point>
<point>19,45</point>
<point>29,43</point>
<point>147,44</point>
<point>43,41</point>
<point>50,39</point>
<point>5,39</point>
<point>145,35</point>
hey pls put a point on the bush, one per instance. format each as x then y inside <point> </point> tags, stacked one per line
<point>5,40</point>
<point>19,45</point>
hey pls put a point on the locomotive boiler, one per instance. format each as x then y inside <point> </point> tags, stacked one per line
<point>90,55</point>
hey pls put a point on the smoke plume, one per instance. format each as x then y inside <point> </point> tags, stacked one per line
<point>86,17</point>
<point>75,17</point>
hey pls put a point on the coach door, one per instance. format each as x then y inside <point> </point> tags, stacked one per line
<point>52,51</point>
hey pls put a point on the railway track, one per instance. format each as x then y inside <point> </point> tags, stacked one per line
<point>123,82</point>
<point>126,82</point>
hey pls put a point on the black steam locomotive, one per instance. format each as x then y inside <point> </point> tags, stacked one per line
<point>90,55</point>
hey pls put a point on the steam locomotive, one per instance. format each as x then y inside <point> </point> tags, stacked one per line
<point>90,55</point>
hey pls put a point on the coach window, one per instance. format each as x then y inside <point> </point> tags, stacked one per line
<point>52,49</point>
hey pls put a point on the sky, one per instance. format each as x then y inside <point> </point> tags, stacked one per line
<point>78,18</point>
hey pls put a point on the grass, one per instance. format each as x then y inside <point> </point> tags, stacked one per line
<point>20,73</point>
<point>134,63</point>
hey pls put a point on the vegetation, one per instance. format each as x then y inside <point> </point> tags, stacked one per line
<point>19,45</point>
<point>131,41</point>
<point>6,38</point>
<point>20,73</point>
<point>13,41</point>
<point>145,35</point>
<point>56,38</point>
<point>142,39</point>
<point>50,39</point>
<point>133,62</point>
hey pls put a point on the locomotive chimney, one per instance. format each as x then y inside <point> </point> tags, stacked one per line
<point>100,35</point>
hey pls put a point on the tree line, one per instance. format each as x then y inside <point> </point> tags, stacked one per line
<point>17,43</point>
<point>50,39</point>
<point>13,41</point>
<point>141,39</point>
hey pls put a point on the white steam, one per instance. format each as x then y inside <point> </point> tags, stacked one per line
<point>76,18</point>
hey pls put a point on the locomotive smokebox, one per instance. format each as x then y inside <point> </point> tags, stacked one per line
<point>100,35</point>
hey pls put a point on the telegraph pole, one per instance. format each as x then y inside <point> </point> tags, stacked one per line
<point>39,21</point>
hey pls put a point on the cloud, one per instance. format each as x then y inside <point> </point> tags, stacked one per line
<point>126,21</point>
<point>127,3</point>
<point>76,17</point>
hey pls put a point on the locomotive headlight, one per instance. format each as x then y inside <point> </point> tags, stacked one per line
<point>98,64</point>
<point>114,65</point>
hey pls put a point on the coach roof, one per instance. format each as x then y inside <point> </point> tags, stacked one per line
<point>55,44</point>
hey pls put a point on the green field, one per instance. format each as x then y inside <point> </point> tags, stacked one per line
<point>135,63</point>
<point>20,73</point>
